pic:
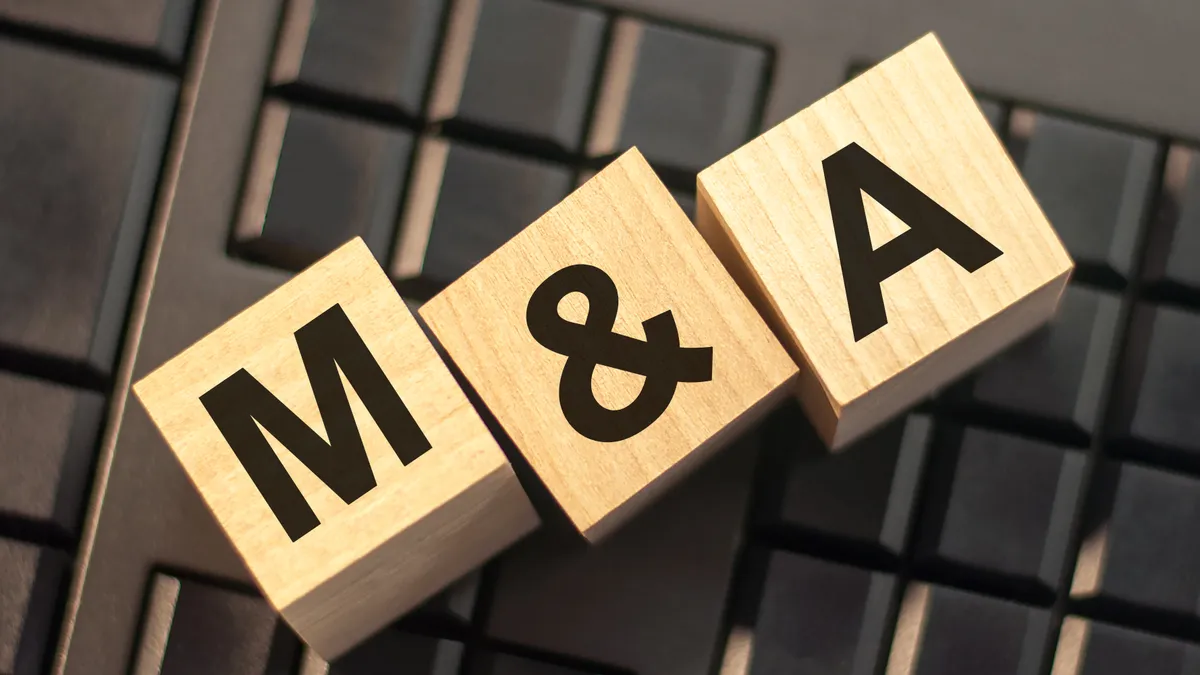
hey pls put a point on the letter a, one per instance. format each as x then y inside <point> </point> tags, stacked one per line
<point>848,173</point>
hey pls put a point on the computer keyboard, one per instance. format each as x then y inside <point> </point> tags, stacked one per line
<point>83,143</point>
<point>166,163</point>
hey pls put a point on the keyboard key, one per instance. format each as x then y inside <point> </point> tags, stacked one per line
<point>814,616</point>
<point>47,436</point>
<point>1092,648</point>
<point>1140,546</point>
<point>684,99</point>
<point>1094,184</point>
<point>995,112</point>
<point>1163,396</point>
<point>858,68</point>
<point>317,181</point>
<point>531,69</point>
<point>492,663</point>
<point>464,203</point>
<point>30,585</point>
<point>387,653</point>
<point>1003,504</point>
<point>194,628</point>
<point>80,148</point>
<point>1175,242</point>
<point>687,202</point>
<point>862,494</point>
<point>944,631</point>
<point>452,607</point>
<point>392,651</point>
<point>1058,373</point>
<point>160,26</point>
<point>380,51</point>
<point>650,598</point>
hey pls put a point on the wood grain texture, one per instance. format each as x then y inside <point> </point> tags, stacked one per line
<point>764,209</point>
<point>625,222</point>
<point>420,528</point>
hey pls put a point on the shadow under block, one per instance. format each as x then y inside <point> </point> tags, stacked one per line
<point>687,363</point>
<point>409,492</point>
<point>954,262</point>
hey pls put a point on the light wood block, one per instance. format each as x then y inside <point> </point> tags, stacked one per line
<point>604,467</point>
<point>766,211</point>
<point>338,564</point>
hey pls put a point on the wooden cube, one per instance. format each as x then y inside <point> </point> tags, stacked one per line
<point>887,237</point>
<point>337,452</point>
<point>611,345</point>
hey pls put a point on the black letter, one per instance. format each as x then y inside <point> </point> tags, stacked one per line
<point>851,171</point>
<point>325,343</point>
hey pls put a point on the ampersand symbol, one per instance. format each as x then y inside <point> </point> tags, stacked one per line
<point>659,358</point>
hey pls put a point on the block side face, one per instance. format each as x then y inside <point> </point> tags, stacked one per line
<point>262,340</point>
<point>625,223</point>
<point>453,539</point>
<point>725,246</point>
<point>817,407</point>
<point>821,410</point>
<point>914,115</point>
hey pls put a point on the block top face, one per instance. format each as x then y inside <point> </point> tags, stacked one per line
<point>614,262</point>
<point>913,117</point>
<point>447,450</point>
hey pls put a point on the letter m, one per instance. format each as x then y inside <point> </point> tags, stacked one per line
<point>239,404</point>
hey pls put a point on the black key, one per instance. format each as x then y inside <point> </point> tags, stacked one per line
<point>648,599</point>
<point>814,616</point>
<point>160,26</point>
<point>687,202</point>
<point>466,202</point>
<point>995,112</point>
<point>858,68</point>
<point>1003,504</point>
<point>195,628</point>
<point>944,631</point>
<point>1093,648</point>
<point>1163,391</point>
<point>328,180</point>
<point>80,148</point>
<point>492,663</point>
<point>1058,374</point>
<point>392,651</point>
<point>1095,185</point>
<point>30,584</point>
<point>1175,241</point>
<point>453,606</point>
<point>531,69</point>
<point>863,494</point>
<point>1139,545</point>
<point>691,98</point>
<point>47,436</point>
<point>376,50</point>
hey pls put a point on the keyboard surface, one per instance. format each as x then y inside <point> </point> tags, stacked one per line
<point>166,163</point>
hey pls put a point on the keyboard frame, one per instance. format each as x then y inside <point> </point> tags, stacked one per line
<point>143,515</point>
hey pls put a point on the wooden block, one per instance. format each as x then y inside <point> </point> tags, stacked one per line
<point>615,274</point>
<point>409,492</point>
<point>954,261</point>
